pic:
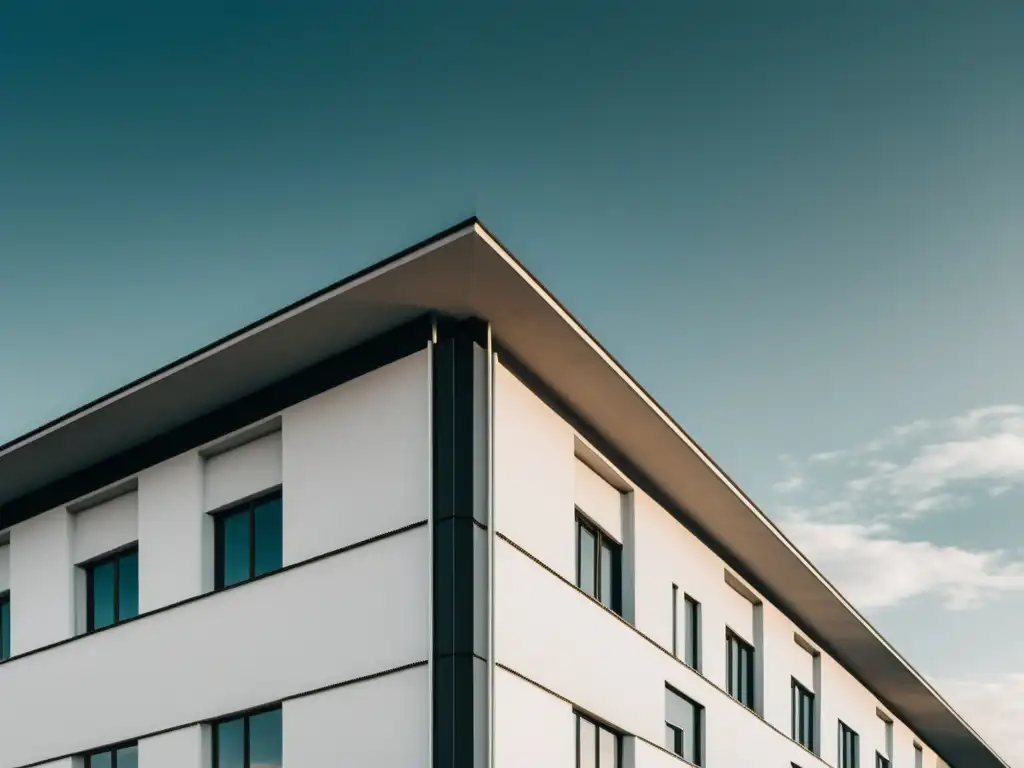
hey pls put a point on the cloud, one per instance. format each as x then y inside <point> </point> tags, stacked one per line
<point>876,570</point>
<point>921,466</point>
<point>994,706</point>
<point>990,457</point>
<point>828,455</point>
<point>790,485</point>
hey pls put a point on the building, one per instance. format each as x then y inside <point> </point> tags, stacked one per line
<point>280,549</point>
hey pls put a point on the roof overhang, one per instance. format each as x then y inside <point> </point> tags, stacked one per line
<point>465,272</point>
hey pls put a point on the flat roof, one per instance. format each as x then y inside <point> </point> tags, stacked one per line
<point>465,272</point>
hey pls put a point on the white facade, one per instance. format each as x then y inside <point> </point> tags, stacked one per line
<point>353,636</point>
<point>341,638</point>
<point>557,649</point>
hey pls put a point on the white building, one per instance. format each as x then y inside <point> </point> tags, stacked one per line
<point>280,549</point>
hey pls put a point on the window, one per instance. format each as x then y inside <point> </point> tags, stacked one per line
<point>5,626</point>
<point>675,620</point>
<point>803,716</point>
<point>692,654</point>
<point>739,668</point>
<point>125,756</point>
<point>596,745</point>
<point>849,747</point>
<point>918,756</point>
<point>112,585</point>
<point>881,761</point>
<point>684,726</point>
<point>597,564</point>
<point>248,540</point>
<point>250,741</point>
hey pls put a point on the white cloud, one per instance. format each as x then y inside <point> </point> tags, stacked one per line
<point>994,707</point>
<point>828,455</point>
<point>991,457</point>
<point>790,485</point>
<point>923,465</point>
<point>876,570</point>
<point>974,419</point>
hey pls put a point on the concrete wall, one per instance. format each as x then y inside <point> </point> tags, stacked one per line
<point>353,464</point>
<point>286,634</point>
<point>356,460</point>
<point>381,722</point>
<point>551,634</point>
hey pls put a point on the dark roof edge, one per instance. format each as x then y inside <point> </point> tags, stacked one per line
<point>49,425</point>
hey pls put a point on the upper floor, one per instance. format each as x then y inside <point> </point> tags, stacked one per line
<point>162,493</point>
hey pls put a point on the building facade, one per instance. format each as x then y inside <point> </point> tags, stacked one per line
<point>421,519</point>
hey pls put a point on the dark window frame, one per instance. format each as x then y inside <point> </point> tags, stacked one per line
<point>111,750</point>
<point>743,647</point>
<point>245,717</point>
<point>90,567</point>
<point>800,694</point>
<point>698,734</point>
<point>844,758</point>
<point>881,761</point>
<point>221,516</point>
<point>601,540</point>
<point>692,625</point>
<point>675,621</point>
<point>598,727</point>
<point>5,600</point>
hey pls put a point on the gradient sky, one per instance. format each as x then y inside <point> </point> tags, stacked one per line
<point>799,224</point>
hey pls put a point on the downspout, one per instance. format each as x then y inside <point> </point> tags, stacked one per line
<point>431,342</point>
<point>491,364</point>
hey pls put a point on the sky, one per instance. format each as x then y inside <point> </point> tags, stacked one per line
<point>799,225</point>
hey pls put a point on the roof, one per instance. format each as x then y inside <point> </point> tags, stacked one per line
<point>465,272</point>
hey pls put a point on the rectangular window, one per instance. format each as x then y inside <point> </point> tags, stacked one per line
<point>881,761</point>
<point>803,716</point>
<point>598,564</point>
<point>918,756</point>
<point>675,620</point>
<point>112,585</point>
<point>249,741</point>
<point>684,726</point>
<point>849,747</point>
<point>739,668</point>
<point>124,756</point>
<point>692,618</point>
<point>248,540</point>
<point>5,626</point>
<point>596,745</point>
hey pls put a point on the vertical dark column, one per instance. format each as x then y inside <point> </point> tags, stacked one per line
<point>454,484</point>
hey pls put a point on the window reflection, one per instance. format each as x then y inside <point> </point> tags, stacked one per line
<point>249,541</point>
<point>113,589</point>
<point>251,741</point>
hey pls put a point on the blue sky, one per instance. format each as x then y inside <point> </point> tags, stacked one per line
<point>802,228</point>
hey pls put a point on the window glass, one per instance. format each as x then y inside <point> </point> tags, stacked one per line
<point>127,592</point>
<point>685,716</point>
<point>5,628</point>
<point>608,749</point>
<point>267,524</point>
<point>265,740</point>
<point>128,757</point>
<point>607,576</point>
<point>230,738</point>
<point>103,576</point>
<point>587,745</point>
<point>101,760</point>
<point>587,564</point>
<point>235,548</point>
<point>692,633</point>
